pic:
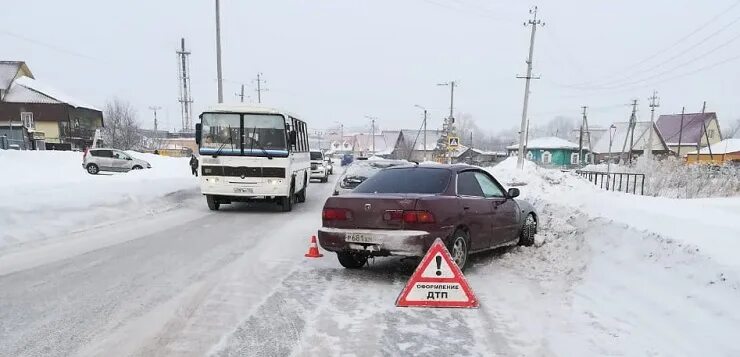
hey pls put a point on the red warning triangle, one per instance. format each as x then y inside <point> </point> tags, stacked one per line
<point>437,282</point>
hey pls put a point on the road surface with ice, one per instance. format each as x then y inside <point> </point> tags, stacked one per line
<point>173,278</point>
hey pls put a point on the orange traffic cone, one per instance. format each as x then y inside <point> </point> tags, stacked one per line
<point>313,249</point>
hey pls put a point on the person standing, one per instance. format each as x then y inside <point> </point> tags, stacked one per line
<point>194,165</point>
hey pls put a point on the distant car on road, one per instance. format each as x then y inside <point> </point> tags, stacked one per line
<point>359,171</point>
<point>96,160</point>
<point>319,169</point>
<point>402,210</point>
<point>329,164</point>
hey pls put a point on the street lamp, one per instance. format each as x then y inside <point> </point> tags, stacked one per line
<point>612,131</point>
<point>425,131</point>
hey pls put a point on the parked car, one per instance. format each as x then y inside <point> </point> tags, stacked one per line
<point>401,211</point>
<point>359,171</point>
<point>329,165</point>
<point>347,159</point>
<point>318,166</point>
<point>96,160</point>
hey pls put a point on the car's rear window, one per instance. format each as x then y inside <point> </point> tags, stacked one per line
<point>315,155</point>
<point>406,180</point>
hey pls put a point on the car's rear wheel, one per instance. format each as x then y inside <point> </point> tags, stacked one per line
<point>459,248</point>
<point>137,167</point>
<point>526,237</point>
<point>93,169</point>
<point>351,260</point>
<point>213,204</point>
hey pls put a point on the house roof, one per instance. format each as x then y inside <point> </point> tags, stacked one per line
<point>640,139</point>
<point>550,142</point>
<point>432,137</point>
<point>9,70</point>
<point>364,142</point>
<point>693,127</point>
<point>491,153</point>
<point>726,146</point>
<point>29,90</point>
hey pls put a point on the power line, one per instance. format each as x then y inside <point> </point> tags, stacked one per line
<point>47,45</point>
<point>667,48</point>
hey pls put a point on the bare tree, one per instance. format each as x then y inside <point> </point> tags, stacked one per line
<point>121,129</point>
<point>733,130</point>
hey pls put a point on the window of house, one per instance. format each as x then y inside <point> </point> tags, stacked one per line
<point>546,157</point>
<point>529,155</point>
<point>574,158</point>
<point>27,120</point>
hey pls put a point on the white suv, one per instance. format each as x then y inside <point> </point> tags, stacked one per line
<point>319,170</point>
<point>96,160</point>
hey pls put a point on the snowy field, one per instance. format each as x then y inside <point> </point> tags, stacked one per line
<point>611,274</point>
<point>47,193</point>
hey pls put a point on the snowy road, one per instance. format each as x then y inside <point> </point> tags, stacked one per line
<point>188,282</point>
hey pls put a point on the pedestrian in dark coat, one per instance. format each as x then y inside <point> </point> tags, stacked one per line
<point>194,165</point>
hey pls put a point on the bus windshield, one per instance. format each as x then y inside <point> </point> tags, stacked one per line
<point>263,134</point>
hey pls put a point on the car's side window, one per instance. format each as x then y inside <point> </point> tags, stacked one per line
<point>119,155</point>
<point>490,189</point>
<point>103,153</point>
<point>467,185</point>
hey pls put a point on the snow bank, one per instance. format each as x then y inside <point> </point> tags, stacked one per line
<point>712,225</point>
<point>46,193</point>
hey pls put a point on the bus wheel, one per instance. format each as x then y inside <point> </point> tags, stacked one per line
<point>213,205</point>
<point>288,201</point>
<point>301,196</point>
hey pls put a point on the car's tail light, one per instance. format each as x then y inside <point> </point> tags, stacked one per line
<point>336,214</point>
<point>84,156</point>
<point>409,216</point>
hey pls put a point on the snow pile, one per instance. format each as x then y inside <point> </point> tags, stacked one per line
<point>671,177</point>
<point>48,192</point>
<point>710,224</point>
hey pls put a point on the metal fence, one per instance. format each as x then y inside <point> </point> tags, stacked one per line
<point>616,181</point>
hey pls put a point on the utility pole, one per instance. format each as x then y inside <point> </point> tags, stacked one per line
<point>154,108</point>
<point>372,121</point>
<point>424,125</point>
<point>259,89</point>
<point>186,98</point>
<point>706,136</point>
<point>534,22</point>
<point>630,134</point>
<point>451,119</point>
<point>580,137</point>
<point>241,94</point>
<point>218,53</point>
<point>654,103</point>
<point>680,132</point>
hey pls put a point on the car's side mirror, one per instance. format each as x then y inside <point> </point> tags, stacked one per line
<point>128,158</point>
<point>293,137</point>
<point>198,132</point>
<point>513,192</point>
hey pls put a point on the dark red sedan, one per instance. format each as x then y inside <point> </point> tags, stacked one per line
<point>402,210</point>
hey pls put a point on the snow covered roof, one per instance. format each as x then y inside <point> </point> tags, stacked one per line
<point>459,151</point>
<point>693,127</point>
<point>491,153</point>
<point>9,70</point>
<point>20,94</point>
<point>640,139</point>
<point>29,90</point>
<point>726,146</point>
<point>550,142</point>
<point>364,142</point>
<point>432,137</point>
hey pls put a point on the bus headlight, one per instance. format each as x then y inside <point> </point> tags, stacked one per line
<point>274,181</point>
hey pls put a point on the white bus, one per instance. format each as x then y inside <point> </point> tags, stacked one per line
<point>252,153</point>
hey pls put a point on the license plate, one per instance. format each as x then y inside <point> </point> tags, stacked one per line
<point>243,190</point>
<point>369,248</point>
<point>358,238</point>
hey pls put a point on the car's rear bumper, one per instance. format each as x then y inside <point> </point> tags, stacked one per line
<point>381,242</point>
<point>320,173</point>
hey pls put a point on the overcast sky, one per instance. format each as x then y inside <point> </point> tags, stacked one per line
<point>339,60</point>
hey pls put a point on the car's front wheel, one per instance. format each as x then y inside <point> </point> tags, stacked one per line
<point>351,260</point>
<point>526,237</point>
<point>459,249</point>
<point>136,167</point>
<point>93,169</point>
